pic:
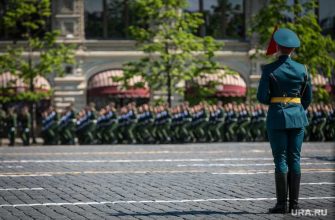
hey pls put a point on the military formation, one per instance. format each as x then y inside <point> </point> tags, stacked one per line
<point>144,124</point>
<point>147,124</point>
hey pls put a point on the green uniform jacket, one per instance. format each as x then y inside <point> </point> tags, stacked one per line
<point>11,121</point>
<point>24,120</point>
<point>285,76</point>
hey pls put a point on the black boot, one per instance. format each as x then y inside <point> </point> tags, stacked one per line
<point>294,185</point>
<point>281,193</point>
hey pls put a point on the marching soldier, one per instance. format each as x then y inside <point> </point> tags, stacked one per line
<point>11,123</point>
<point>24,121</point>
<point>50,126</point>
<point>2,123</point>
<point>330,126</point>
<point>80,120</point>
<point>285,86</point>
<point>203,118</point>
<point>243,123</point>
<point>309,129</point>
<point>231,122</point>
<point>110,124</point>
<point>101,126</point>
<point>139,126</point>
<point>144,119</point>
<point>86,125</point>
<point>262,118</point>
<point>185,123</point>
<point>121,121</point>
<point>66,126</point>
<point>211,124</point>
<point>163,125</point>
<point>254,132</point>
<point>54,125</point>
<point>321,122</point>
<point>220,117</point>
<point>131,119</point>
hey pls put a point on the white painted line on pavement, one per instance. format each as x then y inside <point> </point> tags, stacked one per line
<point>116,172</point>
<point>321,183</point>
<point>117,153</point>
<point>130,152</point>
<point>152,201</point>
<point>19,189</point>
<point>11,167</point>
<point>271,172</point>
<point>139,161</point>
<point>24,175</point>
<point>243,165</point>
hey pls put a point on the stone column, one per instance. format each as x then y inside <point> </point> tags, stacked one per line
<point>68,18</point>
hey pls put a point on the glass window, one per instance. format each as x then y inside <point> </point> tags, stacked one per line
<point>108,19</point>
<point>326,14</point>
<point>3,33</point>
<point>93,18</point>
<point>223,18</point>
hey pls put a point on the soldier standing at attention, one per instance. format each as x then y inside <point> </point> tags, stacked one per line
<point>24,120</point>
<point>285,86</point>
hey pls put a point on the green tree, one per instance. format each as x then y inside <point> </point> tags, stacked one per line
<point>317,50</point>
<point>28,19</point>
<point>172,51</point>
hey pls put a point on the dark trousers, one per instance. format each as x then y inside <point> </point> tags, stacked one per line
<point>286,148</point>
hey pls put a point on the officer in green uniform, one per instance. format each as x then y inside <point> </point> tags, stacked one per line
<point>285,86</point>
<point>11,123</point>
<point>24,120</point>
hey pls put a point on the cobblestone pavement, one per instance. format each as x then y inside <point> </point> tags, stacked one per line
<point>193,181</point>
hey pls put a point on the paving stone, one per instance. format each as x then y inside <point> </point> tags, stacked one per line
<point>83,183</point>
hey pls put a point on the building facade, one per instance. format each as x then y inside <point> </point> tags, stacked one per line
<point>99,28</point>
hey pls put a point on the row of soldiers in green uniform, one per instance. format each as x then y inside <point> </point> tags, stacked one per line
<point>13,124</point>
<point>321,123</point>
<point>147,124</point>
<point>180,124</point>
<point>158,124</point>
